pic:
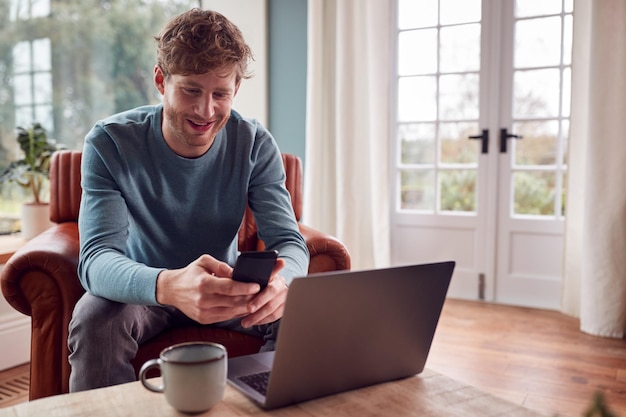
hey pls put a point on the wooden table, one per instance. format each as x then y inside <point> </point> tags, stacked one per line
<point>428,394</point>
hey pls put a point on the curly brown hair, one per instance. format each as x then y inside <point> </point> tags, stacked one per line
<point>198,41</point>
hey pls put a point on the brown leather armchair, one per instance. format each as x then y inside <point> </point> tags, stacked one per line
<point>40,279</point>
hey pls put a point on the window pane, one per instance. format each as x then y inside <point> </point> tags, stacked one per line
<point>458,190</point>
<point>39,8</point>
<point>28,9</point>
<point>19,10</point>
<point>537,42</point>
<point>21,57</point>
<point>13,4</point>
<point>417,142</point>
<point>536,93</point>
<point>23,116</point>
<point>23,93</point>
<point>526,8</point>
<point>459,11</point>
<point>539,143</point>
<point>41,55</point>
<point>567,92</point>
<point>43,114</point>
<point>563,194</point>
<point>417,100</point>
<point>534,193</point>
<point>43,88</point>
<point>568,6</point>
<point>417,190</point>
<point>417,52</point>
<point>460,48</point>
<point>417,14</point>
<point>565,133</point>
<point>567,40</point>
<point>459,97</point>
<point>456,148</point>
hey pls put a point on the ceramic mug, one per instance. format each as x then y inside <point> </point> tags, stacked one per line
<point>193,375</point>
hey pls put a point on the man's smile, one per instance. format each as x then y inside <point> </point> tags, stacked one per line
<point>204,126</point>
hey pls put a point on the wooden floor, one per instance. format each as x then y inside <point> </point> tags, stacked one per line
<point>14,385</point>
<point>535,358</point>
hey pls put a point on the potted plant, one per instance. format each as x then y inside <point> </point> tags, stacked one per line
<point>32,172</point>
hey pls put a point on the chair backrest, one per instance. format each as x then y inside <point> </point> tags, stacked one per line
<point>293,182</point>
<point>65,192</point>
<point>248,238</point>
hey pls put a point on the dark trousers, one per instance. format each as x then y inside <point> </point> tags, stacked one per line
<point>104,337</point>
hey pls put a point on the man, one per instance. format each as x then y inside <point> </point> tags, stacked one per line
<point>164,192</point>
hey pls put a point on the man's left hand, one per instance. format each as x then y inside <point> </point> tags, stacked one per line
<point>269,304</point>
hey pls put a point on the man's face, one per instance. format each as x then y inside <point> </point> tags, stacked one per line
<point>195,108</point>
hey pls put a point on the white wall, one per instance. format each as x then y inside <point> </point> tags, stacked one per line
<point>14,336</point>
<point>251,18</point>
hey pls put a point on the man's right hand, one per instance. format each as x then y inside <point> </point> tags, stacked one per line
<point>204,291</point>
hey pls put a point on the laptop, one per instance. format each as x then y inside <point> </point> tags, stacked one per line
<point>346,330</point>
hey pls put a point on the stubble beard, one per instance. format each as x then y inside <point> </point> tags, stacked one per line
<point>193,141</point>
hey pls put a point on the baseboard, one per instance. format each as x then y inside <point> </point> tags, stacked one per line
<point>15,336</point>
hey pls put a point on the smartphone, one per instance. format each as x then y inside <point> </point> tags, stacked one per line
<point>255,266</point>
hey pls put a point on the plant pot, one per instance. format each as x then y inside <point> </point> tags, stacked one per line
<point>35,219</point>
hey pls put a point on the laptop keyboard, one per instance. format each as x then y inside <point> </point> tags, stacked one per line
<point>258,382</point>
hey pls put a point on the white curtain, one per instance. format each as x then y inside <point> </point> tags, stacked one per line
<point>595,239</point>
<point>347,133</point>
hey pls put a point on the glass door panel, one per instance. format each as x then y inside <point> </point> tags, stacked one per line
<point>438,81</point>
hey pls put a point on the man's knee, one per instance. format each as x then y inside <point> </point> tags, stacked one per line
<point>92,308</point>
<point>97,320</point>
<point>101,343</point>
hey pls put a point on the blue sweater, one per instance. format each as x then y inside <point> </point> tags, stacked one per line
<point>145,209</point>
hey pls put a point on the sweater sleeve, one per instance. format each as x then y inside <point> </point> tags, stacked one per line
<point>104,268</point>
<point>271,204</point>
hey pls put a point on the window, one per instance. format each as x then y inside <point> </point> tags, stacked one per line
<point>28,9</point>
<point>32,83</point>
<point>67,64</point>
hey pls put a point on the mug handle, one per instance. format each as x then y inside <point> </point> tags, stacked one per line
<point>152,363</point>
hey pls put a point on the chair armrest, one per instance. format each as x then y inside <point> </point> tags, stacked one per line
<point>41,280</point>
<point>326,252</point>
<point>52,255</point>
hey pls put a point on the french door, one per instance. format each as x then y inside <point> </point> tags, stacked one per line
<point>480,143</point>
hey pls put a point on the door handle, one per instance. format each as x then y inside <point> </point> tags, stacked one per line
<point>484,138</point>
<point>504,136</point>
